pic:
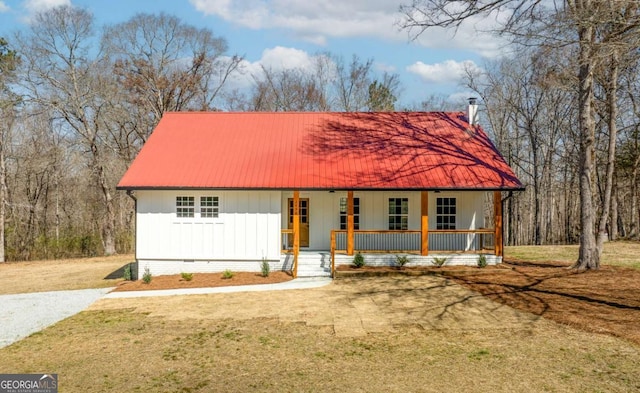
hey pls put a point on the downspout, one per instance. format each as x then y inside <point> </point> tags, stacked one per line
<point>131,195</point>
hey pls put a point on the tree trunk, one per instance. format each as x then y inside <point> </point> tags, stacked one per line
<point>3,197</point>
<point>613,131</point>
<point>588,257</point>
<point>109,222</point>
<point>613,232</point>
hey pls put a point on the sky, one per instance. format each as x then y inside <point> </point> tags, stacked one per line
<point>286,33</point>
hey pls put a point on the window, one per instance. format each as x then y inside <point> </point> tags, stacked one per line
<point>184,206</point>
<point>445,213</point>
<point>343,213</point>
<point>209,207</point>
<point>398,214</point>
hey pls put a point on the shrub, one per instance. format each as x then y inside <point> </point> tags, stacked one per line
<point>186,276</point>
<point>146,277</point>
<point>401,260</point>
<point>482,261</point>
<point>127,273</point>
<point>265,268</point>
<point>439,261</point>
<point>227,274</point>
<point>358,260</point>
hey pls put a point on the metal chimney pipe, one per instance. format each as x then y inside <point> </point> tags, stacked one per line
<point>472,116</point>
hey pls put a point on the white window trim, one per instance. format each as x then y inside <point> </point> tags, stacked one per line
<point>197,208</point>
<point>407,214</point>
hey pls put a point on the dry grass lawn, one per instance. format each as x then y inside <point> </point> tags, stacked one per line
<point>390,334</point>
<point>619,253</point>
<point>493,331</point>
<point>62,274</point>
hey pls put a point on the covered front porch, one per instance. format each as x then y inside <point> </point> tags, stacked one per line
<point>434,240</point>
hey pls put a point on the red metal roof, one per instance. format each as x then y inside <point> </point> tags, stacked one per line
<point>318,150</point>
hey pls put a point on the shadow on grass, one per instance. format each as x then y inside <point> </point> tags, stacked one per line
<point>119,272</point>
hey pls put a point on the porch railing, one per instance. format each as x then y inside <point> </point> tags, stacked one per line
<point>286,240</point>
<point>410,241</point>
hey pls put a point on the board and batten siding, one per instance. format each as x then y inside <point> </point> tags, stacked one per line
<point>246,230</point>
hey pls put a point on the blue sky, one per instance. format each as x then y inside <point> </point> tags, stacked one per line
<point>281,33</point>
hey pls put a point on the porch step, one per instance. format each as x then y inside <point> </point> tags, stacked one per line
<point>314,264</point>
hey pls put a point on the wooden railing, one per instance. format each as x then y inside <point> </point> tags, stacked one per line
<point>286,240</point>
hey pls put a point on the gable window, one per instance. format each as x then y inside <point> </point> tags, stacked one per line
<point>343,213</point>
<point>209,207</point>
<point>185,206</point>
<point>445,213</point>
<point>398,214</point>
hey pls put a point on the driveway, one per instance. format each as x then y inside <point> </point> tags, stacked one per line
<point>26,313</point>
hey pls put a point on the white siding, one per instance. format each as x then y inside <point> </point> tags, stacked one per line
<point>249,224</point>
<point>247,228</point>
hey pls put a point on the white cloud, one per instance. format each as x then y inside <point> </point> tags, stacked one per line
<point>316,21</point>
<point>275,59</point>
<point>285,58</point>
<point>311,21</point>
<point>32,7</point>
<point>4,7</point>
<point>449,71</point>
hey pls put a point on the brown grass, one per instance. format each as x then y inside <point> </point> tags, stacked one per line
<point>619,253</point>
<point>391,334</point>
<point>62,274</point>
<point>602,301</point>
<point>383,334</point>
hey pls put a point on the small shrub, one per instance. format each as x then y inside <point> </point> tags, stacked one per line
<point>401,260</point>
<point>265,268</point>
<point>146,277</point>
<point>358,260</point>
<point>482,261</point>
<point>186,276</point>
<point>439,261</point>
<point>227,274</point>
<point>127,273</point>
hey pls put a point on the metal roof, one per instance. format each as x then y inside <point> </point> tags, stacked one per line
<point>318,150</point>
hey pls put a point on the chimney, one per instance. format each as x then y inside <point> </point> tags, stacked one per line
<point>472,116</point>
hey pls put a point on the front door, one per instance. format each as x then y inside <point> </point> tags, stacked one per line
<point>304,220</point>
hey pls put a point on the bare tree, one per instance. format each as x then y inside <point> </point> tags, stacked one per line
<point>166,65</point>
<point>292,89</point>
<point>8,60</point>
<point>352,83</point>
<point>573,24</point>
<point>61,76</point>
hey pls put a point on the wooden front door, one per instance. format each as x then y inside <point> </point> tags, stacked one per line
<point>304,220</point>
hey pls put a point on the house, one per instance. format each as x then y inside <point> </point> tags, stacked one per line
<point>305,191</point>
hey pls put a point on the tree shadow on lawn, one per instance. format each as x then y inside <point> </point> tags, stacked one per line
<point>602,301</point>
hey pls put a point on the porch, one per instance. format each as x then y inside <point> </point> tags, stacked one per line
<point>380,247</point>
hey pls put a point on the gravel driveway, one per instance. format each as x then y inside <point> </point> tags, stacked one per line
<point>27,313</point>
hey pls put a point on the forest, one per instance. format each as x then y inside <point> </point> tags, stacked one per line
<point>78,102</point>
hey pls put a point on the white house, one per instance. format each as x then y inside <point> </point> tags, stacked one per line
<point>305,191</point>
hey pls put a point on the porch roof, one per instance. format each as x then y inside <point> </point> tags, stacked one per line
<point>319,150</point>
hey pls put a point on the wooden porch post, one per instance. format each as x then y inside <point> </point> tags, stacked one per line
<point>350,225</point>
<point>296,231</point>
<point>424,223</point>
<point>497,211</point>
